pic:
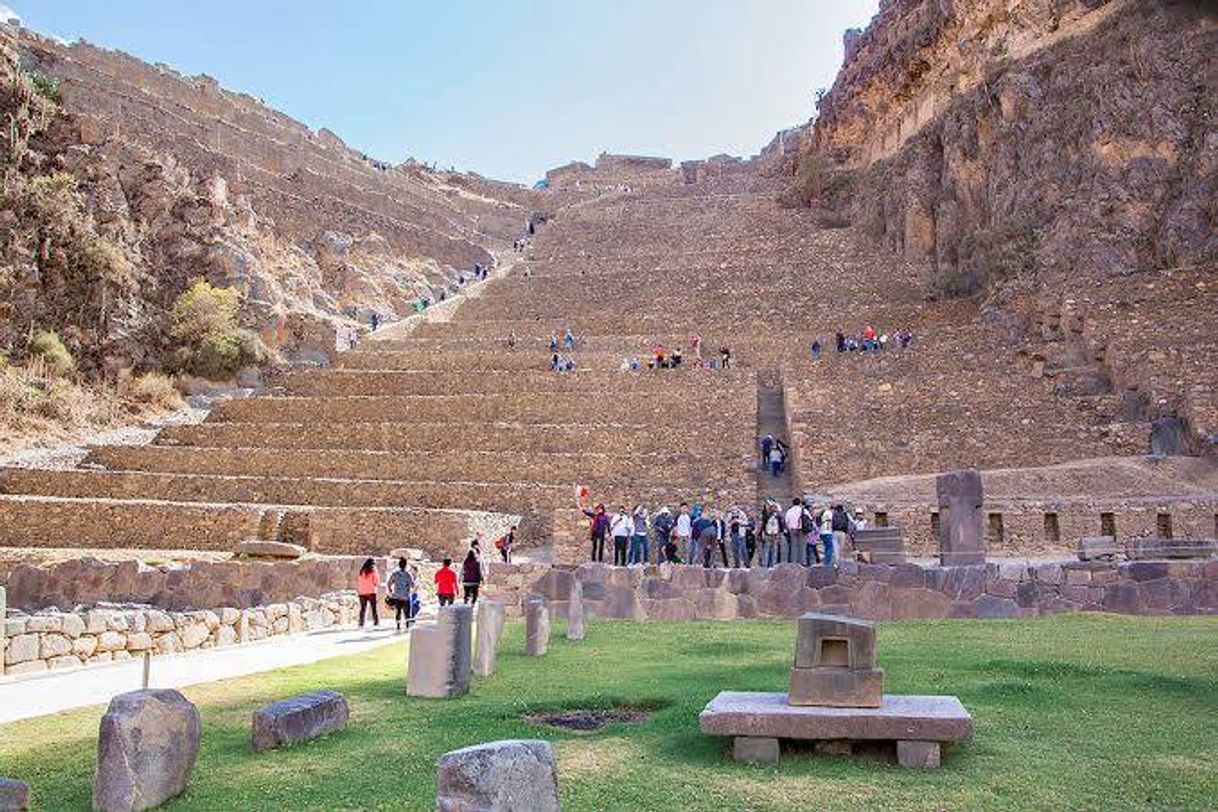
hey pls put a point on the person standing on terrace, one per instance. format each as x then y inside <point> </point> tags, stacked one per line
<point>598,528</point>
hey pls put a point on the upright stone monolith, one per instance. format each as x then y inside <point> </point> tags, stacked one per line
<point>575,612</point>
<point>146,750</point>
<point>490,616</point>
<point>536,627</point>
<point>961,537</point>
<point>441,658</point>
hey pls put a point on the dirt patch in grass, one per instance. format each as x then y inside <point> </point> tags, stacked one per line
<point>586,720</point>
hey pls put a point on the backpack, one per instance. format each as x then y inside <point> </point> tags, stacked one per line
<point>841,522</point>
<point>806,523</point>
<point>501,542</point>
<point>771,525</point>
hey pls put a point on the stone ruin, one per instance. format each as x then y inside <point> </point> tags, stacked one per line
<point>441,658</point>
<point>836,699</point>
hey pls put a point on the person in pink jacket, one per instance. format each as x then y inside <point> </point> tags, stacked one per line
<point>366,585</point>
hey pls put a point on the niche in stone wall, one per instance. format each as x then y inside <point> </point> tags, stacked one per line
<point>881,519</point>
<point>1053,532</point>
<point>1108,524</point>
<point>995,534</point>
<point>1163,522</point>
<point>934,525</point>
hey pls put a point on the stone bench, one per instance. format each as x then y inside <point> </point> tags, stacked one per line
<point>299,719</point>
<point>758,721</point>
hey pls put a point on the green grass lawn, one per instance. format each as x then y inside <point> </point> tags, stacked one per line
<point>1078,712</point>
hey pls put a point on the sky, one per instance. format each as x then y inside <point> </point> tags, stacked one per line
<point>506,88</point>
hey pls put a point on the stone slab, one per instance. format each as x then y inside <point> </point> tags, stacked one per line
<point>1097,548</point>
<point>961,536</point>
<point>575,612</point>
<point>1146,549</point>
<point>837,687</point>
<point>754,749</point>
<point>258,548</point>
<point>490,616</point>
<point>899,718</point>
<point>299,719</point>
<point>919,755</point>
<point>536,627</point>
<point>441,657</point>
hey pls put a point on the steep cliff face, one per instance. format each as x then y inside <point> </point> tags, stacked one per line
<point>1057,156</point>
<point>189,180</point>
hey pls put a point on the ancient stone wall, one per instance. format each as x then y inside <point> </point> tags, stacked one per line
<point>874,592</point>
<point>53,640</point>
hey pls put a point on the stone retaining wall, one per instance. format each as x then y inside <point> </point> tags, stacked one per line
<point>196,585</point>
<point>874,592</point>
<point>53,640</point>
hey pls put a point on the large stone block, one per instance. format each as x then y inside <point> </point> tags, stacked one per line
<point>504,776</point>
<point>834,641</point>
<point>536,627</point>
<point>755,749</point>
<point>837,687</point>
<point>146,750</point>
<point>575,612</point>
<point>490,619</point>
<point>257,548</point>
<point>961,535</point>
<point>299,719</point>
<point>14,795</point>
<point>441,658</point>
<point>918,755</point>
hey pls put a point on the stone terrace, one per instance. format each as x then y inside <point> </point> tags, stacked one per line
<point>420,437</point>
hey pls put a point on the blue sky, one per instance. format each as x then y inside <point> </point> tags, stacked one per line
<point>508,89</point>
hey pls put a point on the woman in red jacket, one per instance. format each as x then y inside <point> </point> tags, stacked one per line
<point>446,583</point>
<point>366,586</point>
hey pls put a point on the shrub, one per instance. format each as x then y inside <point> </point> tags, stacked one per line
<point>212,345</point>
<point>818,178</point>
<point>45,86</point>
<point>49,348</point>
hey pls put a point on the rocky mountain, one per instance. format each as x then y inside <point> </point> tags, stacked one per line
<point>170,178</point>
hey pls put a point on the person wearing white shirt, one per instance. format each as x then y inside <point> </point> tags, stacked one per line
<point>794,521</point>
<point>826,534</point>
<point>621,526</point>
<point>682,532</point>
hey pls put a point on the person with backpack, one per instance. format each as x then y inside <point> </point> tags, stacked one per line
<point>621,526</point>
<point>683,532</point>
<point>504,545</point>
<point>771,535</point>
<point>399,588</point>
<point>841,528</point>
<point>365,586</point>
<point>471,577</point>
<point>662,525</point>
<point>776,460</point>
<point>598,528</point>
<point>446,583</point>
<point>737,524</point>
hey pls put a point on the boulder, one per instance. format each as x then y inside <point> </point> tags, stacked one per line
<point>490,620</point>
<point>14,795</point>
<point>499,776</point>
<point>299,719</point>
<point>146,750</point>
<point>575,612</point>
<point>536,627</point>
<point>257,548</point>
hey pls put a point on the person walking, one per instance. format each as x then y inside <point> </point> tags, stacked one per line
<point>767,444</point>
<point>639,554</point>
<point>365,586</point>
<point>446,583</point>
<point>598,528</point>
<point>399,587</point>
<point>471,577</point>
<point>621,526</point>
<point>505,544</point>
<point>776,459</point>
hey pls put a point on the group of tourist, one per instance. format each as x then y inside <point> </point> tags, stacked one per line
<point>804,534</point>
<point>869,340</point>
<point>401,587</point>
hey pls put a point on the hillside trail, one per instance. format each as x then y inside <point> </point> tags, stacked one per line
<point>772,419</point>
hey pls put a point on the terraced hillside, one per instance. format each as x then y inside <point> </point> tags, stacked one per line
<point>432,432</point>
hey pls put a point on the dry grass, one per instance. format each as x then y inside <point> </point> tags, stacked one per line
<point>39,407</point>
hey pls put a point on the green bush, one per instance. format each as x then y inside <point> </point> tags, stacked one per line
<point>49,348</point>
<point>818,178</point>
<point>45,86</point>
<point>211,344</point>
